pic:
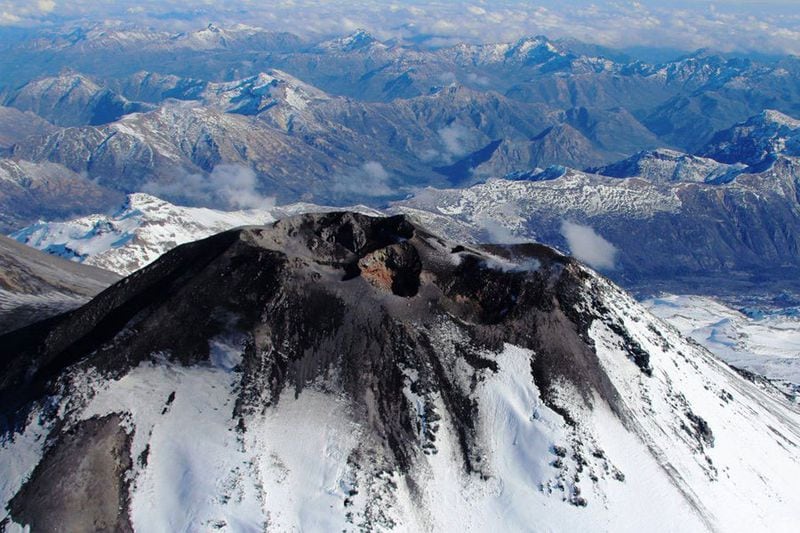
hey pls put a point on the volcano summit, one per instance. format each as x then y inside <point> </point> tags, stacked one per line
<point>343,372</point>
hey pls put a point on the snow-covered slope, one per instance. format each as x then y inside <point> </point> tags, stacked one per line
<point>135,235</point>
<point>764,343</point>
<point>756,141</point>
<point>665,166</point>
<point>260,93</point>
<point>141,230</point>
<point>337,372</point>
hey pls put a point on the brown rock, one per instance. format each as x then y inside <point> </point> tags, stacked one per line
<point>394,268</point>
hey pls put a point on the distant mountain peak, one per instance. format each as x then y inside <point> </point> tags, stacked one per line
<point>757,141</point>
<point>360,39</point>
<point>261,92</point>
<point>664,165</point>
<point>535,48</point>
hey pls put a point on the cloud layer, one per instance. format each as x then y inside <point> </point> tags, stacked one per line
<point>765,25</point>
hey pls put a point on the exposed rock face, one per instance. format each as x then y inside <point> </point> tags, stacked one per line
<point>395,268</point>
<point>85,495</point>
<point>338,371</point>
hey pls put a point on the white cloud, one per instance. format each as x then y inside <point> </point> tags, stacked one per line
<point>370,179</point>
<point>588,246</point>
<point>226,187</point>
<point>375,171</point>
<point>499,233</point>
<point>8,18</point>
<point>477,79</point>
<point>498,223</point>
<point>448,77</point>
<point>455,138</point>
<point>429,154</point>
<point>46,6</point>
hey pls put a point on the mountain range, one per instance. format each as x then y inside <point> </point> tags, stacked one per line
<point>162,109</point>
<point>708,226</point>
<point>277,137</point>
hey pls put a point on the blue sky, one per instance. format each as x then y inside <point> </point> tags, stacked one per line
<point>727,25</point>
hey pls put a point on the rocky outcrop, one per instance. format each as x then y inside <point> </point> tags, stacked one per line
<point>395,268</point>
<point>87,495</point>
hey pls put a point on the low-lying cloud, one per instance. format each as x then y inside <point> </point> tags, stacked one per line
<point>498,223</point>
<point>455,139</point>
<point>226,187</point>
<point>370,179</point>
<point>588,246</point>
<point>499,233</point>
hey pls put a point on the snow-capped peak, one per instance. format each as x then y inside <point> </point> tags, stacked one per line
<point>664,165</point>
<point>263,91</point>
<point>359,37</point>
<point>136,234</point>
<point>69,81</point>
<point>145,201</point>
<point>358,40</point>
<point>537,48</point>
<point>345,373</point>
<point>758,141</point>
<point>780,119</point>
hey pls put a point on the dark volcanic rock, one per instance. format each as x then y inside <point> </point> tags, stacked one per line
<point>88,494</point>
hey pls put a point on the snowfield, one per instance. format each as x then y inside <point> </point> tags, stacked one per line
<point>765,343</point>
